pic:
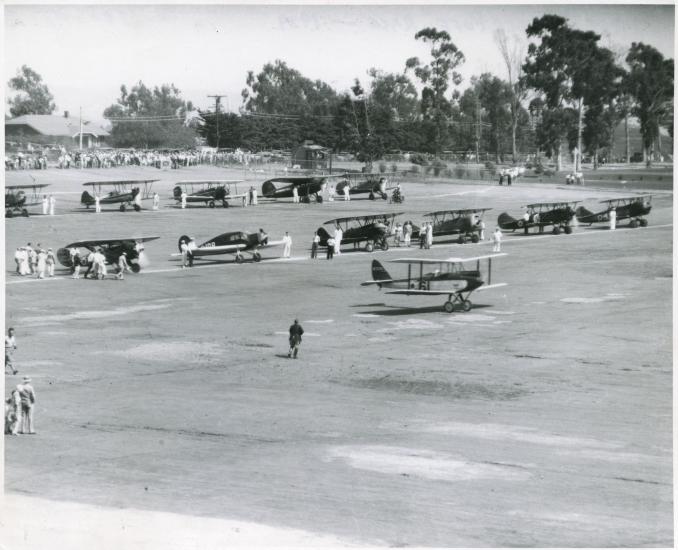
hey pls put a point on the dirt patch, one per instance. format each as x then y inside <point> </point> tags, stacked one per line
<point>90,314</point>
<point>457,390</point>
<point>179,351</point>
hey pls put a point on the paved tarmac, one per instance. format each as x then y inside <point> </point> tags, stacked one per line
<point>542,417</point>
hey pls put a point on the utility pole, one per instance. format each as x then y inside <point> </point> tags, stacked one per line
<point>81,128</point>
<point>217,102</point>
<point>477,130</point>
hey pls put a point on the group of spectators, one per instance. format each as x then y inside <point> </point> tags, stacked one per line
<point>34,261</point>
<point>26,161</point>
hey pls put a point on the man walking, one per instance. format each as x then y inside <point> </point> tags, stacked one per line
<point>27,396</point>
<point>613,219</point>
<point>330,248</point>
<point>295,339</point>
<point>10,348</point>
<point>287,245</point>
<point>314,245</point>
<point>52,205</point>
<point>122,266</point>
<point>156,201</point>
<point>338,235</point>
<point>496,239</point>
<point>97,204</point>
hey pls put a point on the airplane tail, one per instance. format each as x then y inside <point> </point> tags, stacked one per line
<point>268,189</point>
<point>379,273</point>
<point>324,235</point>
<point>64,257</point>
<point>176,192</point>
<point>86,198</point>
<point>183,238</point>
<point>505,221</point>
<point>583,214</point>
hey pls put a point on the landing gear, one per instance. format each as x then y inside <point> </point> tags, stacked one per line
<point>256,257</point>
<point>384,196</point>
<point>634,224</point>
<point>238,258</point>
<point>211,204</point>
<point>224,204</point>
<point>567,229</point>
<point>454,299</point>
<point>556,230</point>
<point>466,304</point>
<point>371,196</point>
<point>384,244</point>
<point>643,222</point>
<point>449,307</point>
<point>137,208</point>
<point>461,239</point>
<point>122,208</point>
<point>24,212</point>
<point>369,247</point>
<point>475,238</point>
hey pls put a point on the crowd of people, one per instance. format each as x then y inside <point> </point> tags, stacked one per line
<point>34,261</point>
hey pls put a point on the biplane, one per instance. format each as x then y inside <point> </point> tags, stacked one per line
<point>112,249</point>
<point>208,192</point>
<point>308,187</point>
<point>17,201</point>
<point>463,222</point>
<point>233,242</point>
<point>372,229</point>
<point>450,277</point>
<point>359,183</point>
<point>633,208</point>
<point>543,214</point>
<point>125,193</point>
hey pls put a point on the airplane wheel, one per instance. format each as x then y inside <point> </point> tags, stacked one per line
<point>9,214</point>
<point>466,304</point>
<point>369,247</point>
<point>371,196</point>
<point>520,223</point>
<point>211,204</point>
<point>461,239</point>
<point>567,229</point>
<point>24,212</point>
<point>135,268</point>
<point>256,257</point>
<point>384,245</point>
<point>137,208</point>
<point>318,198</point>
<point>122,208</point>
<point>225,204</point>
<point>643,223</point>
<point>384,196</point>
<point>449,307</point>
<point>475,238</point>
<point>238,259</point>
<point>556,230</point>
<point>633,224</point>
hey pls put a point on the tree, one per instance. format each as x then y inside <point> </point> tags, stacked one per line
<point>495,97</point>
<point>435,77</point>
<point>150,118</point>
<point>34,97</point>
<point>650,82</point>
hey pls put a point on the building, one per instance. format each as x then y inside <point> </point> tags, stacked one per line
<point>311,157</point>
<point>54,129</point>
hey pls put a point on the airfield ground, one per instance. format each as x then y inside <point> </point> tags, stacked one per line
<point>543,417</point>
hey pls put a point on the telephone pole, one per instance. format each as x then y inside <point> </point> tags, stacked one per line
<point>217,102</point>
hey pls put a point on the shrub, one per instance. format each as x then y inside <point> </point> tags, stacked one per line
<point>382,167</point>
<point>419,158</point>
<point>438,167</point>
<point>415,169</point>
<point>549,172</point>
<point>459,171</point>
<point>394,168</point>
<point>491,167</point>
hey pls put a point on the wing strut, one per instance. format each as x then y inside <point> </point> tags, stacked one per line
<point>489,271</point>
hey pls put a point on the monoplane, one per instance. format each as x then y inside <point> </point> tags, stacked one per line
<point>463,222</point>
<point>17,201</point>
<point>372,229</point>
<point>377,185</point>
<point>125,193</point>
<point>233,242</point>
<point>450,277</point>
<point>543,214</point>
<point>308,187</point>
<point>209,192</point>
<point>112,249</point>
<point>633,208</point>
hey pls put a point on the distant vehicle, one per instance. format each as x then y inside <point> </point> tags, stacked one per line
<point>376,185</point>
<point>125,193</point>
<point>17,201</point>
<point>234,242</point>
<point>633,208</point>
<point>463,222</point>
<point>543,214</point>
<point>208,192</point>
<point>372,229</point>
<point>308,187</point>
<point>112,249</point>
<point>450,278</point>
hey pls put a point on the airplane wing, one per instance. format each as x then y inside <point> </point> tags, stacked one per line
<point>271,243</point>
<point>102,242</point>
<point>206,182</point>
<point>120,182</point>
<point>446,260</point>
<point>414,292</point>
<point>28,186</point>
<point>490,287</point>
<point>377,282</point>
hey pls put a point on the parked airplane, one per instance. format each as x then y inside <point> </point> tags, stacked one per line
<point>308,187</point>
<point>112,249</point>
<point>359,183</point>
<point>125,193</point>
<point>234,242</point>
<point>463,222</point>
<point>633,208</point>
<point>557,214</point>
<point>17,201</point>
<point>209,192</point>
<point>450,278</point>
<point>372,229</point>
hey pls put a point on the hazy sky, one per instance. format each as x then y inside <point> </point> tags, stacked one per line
<point>85,52</point>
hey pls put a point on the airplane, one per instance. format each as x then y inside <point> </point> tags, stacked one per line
<point>308,187</point>
<point>627,207</point>
<point>462,222</point>
<point>374,229</point>
<point>125,192</point>
<point>208,192</point>
<point>111,249</point>
<point>450,278</point>
<point>233,242</point>
<point>16,199</point>
<point>557,214</point>
<point>359,183</point>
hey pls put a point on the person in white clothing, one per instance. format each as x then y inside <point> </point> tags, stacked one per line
<point>331,192</point>
<point>613,219</point>
<point>184,196</point>
<point>254,196</point>
<point>97,203</point>
<point>429,235</point>
<point>41,264</point>
<point>50,261</point>
<point>156,201</point>
<point>295,194</point>
<point>137,200</point>
<point>347,192</point>
<point>18,256</point>
<point>287,245</point>
<point>122,266</point>
<point>52,205</point>
<point>45,205</point>
<point>496,239</point>
<point>338,235</point>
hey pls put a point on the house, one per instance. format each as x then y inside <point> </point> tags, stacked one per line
<point>55,129</point>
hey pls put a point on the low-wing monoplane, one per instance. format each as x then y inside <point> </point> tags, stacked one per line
<point>633,208</point>
<point>125,193</point>
<point>308,187</point>
<point>463,222</point>
<point>377,185</point>
<point>17,200</point>
<point>450,277</point>
<point>112,249</point>
<point>208,192</point>
<point>233,242</point>
<point>372,229</point>
<point>542,214</point>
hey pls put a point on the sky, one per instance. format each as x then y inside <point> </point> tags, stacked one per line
<point>85,52</point>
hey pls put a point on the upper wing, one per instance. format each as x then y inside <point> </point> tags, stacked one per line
<point>412,291</point>
<point>488,287</point>
<point>271,243</point>
<point>445,261</point>
<point>102,242</point>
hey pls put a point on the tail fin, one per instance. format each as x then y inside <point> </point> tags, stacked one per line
<point>176,192</point>
<point>324,235</point>
<point>583,214</point>
<point>379,273</point>
<point>505,221</point>
<point>86,198</point>
<point>64,257</point>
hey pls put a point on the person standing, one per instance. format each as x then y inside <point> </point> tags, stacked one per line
<point>27,396</point>
<point>122,266</point>
<point>407,233</point>
<point>295,194</point>
<point>331,193</point>
<point>156,201</point>
<point>184,196</point>
<point>296,332</point>
<point>496,239</point>
<point>314,245</point>
<point>10,348</point>
<point>18,256</point>
<point>429,235</point>
<point>12,413</point>
<point>52,205</point>
<point>287,245</point>
<point>45,205</point>
<point>347,192</point>
<point>330,248</point>
<point>481,228</point>
<point>100,265</point>
<point>338,236</point>
<point>97,203</point>
<point>41,264</point>
<point>184,254</point>
<point>613,219</point>
<point>254,196</point>
<point>76,266</point>
<point>398,234</point>
<point>50,261</point>
<point>526,221</point>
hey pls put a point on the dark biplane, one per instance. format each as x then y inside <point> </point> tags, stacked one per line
<point>17,201</point>
<point>125,193</point>
<point>451,278</point>
<point>633,208</point>
<point>208,192</point>
<point>463,222</point>
<point>543,214</point>
<point>376,185</point>
<point>308,187</point>
<point>372,229</point>
<point>234,242</point>
<point>112,249</point>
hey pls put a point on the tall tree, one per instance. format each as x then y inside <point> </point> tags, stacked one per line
<point>34,97</point>
<point>650,82</point>
<point>435,77</point>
